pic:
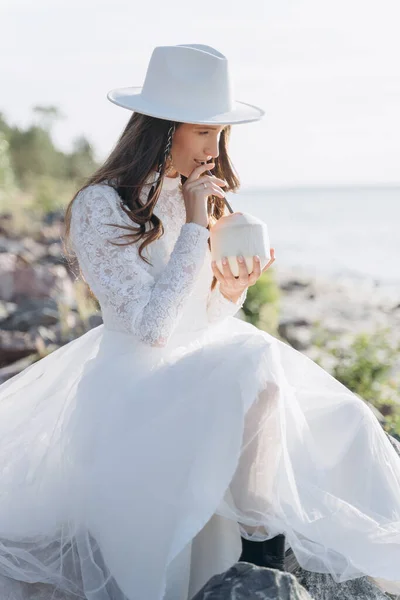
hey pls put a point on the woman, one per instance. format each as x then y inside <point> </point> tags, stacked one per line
<point>134,458</point>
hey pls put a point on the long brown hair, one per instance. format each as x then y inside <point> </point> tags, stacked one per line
<point>135,155</point>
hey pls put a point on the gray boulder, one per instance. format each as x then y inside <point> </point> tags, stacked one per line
<point>321,586</point>
<point>244,581</point>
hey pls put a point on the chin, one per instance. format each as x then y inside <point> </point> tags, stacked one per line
<point>185,171</point>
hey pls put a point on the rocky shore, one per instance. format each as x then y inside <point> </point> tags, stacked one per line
<point>341,304</point>
<point>337,308</point>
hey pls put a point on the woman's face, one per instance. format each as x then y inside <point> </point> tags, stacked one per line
<point>192,144</point>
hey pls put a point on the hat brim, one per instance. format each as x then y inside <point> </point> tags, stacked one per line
<point>132,99</point>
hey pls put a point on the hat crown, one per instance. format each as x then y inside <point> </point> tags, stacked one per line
<point>188,83</point>
<point>196,75</point>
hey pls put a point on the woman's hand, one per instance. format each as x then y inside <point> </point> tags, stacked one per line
<point>196,190</point>
<point>232,287</point>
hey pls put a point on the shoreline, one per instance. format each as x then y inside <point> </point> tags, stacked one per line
<point>342,304</point>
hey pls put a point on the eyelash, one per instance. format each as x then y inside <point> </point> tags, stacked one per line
<point>204,132</point>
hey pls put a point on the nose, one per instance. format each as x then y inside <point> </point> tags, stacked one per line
<point>212,150</point>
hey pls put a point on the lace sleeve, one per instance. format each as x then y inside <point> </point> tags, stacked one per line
<point>146,307</point>
<point>219,307</point>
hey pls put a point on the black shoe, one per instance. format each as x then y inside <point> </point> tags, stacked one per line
<point>270,553</point>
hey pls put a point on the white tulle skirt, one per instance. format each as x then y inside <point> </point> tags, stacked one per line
<point>130,472</point>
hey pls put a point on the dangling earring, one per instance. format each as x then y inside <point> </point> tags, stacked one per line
<point>167,150</point>
<point>169,167</point>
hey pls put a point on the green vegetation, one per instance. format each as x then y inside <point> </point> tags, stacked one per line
<point>35,174</point>
<point>366,366</point>
<point>261,307</point>
<point>7,177</point>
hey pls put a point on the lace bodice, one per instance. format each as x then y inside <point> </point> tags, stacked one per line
<point>148,301</point>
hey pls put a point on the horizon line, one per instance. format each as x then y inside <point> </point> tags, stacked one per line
<point>323,186</point>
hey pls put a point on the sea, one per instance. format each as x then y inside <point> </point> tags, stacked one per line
<point>342,231</point>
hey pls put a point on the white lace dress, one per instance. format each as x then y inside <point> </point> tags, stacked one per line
<point>133,458</point>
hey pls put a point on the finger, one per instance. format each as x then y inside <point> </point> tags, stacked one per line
<point>243,272</point>
<point>211,175</point>
<point>212,188</point>
<point>256,272</point>
<point>226,269</point>
<point>203,180</point>
<point>269,264</point>
<point>219,276</point>
<point>208,181</point>
<point>217,190</point>
<point>256,267</point>
<point>214,179</point>
<point>197,171</point>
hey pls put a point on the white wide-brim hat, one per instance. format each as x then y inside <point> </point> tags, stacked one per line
<point>188,83</point>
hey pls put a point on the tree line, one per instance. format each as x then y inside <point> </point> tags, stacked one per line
<point>30,153</point>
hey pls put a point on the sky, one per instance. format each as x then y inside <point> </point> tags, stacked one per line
<point>327,75</point>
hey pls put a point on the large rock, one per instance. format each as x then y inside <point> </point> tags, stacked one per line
<point>20,279</point>
<point>321,586</point>
<point>15,345</point>
<point>31,314</point>
<point>13,369</point>
<point>297,332</point>
<point>244,581</point>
